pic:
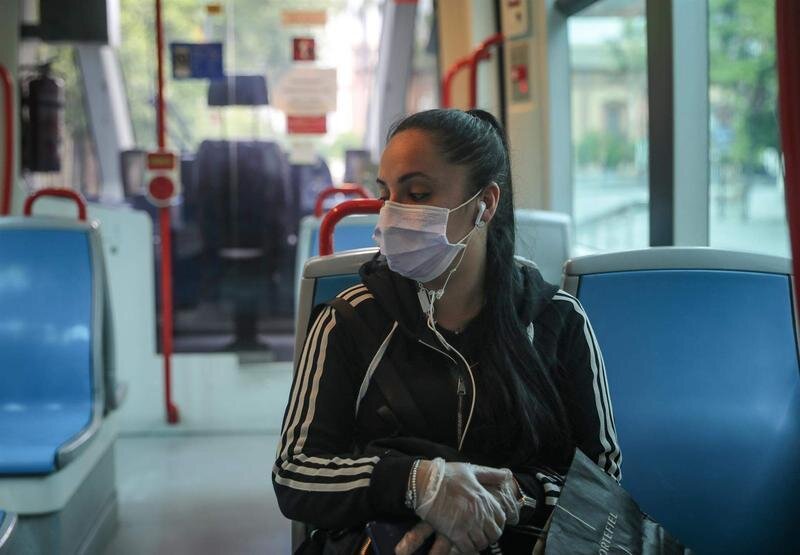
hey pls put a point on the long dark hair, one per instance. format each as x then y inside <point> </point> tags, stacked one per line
<point>512,373</point>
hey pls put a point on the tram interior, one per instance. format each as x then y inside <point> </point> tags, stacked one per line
<point>148,336</point>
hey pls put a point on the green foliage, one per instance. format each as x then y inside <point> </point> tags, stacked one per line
<point>342,142</point>
<point>607,150</point>
<point>743,77</point>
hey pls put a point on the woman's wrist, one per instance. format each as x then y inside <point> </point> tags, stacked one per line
<point>412,488</point>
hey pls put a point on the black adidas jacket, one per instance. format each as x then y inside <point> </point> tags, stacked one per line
<point>344,456</point>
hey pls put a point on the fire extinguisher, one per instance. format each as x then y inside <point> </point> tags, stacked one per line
<point>42,121</point>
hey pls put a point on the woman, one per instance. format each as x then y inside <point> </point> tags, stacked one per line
<point>449,352</point>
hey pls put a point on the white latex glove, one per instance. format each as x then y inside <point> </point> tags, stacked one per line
<point>501,484</point>
<point>453,501</point>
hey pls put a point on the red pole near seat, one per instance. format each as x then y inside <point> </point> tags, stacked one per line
<point>342,210</point>
<point>482,52</point>
<point>173,417</point>
<point>470,61</point>
<point>60,193</point>
<point>787,17</point>
<point>347,188</point>
<point>8,139</point>
<point>449,76</point>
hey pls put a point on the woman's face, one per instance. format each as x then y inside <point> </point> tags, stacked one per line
<point>413,172</point>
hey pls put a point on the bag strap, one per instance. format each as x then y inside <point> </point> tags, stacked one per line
<point>388,380</point>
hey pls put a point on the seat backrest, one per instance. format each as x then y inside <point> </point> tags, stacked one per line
<point>48,310</point>
<point>701,357</point>
<point>351,233</point>
<point>51,314</point>
<point>244,194</point>
<point>544,237</point>
<point>323,278</point>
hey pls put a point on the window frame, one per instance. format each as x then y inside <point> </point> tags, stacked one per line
<point>678,127</point>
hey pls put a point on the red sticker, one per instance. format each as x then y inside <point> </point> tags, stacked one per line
<point>313,125</point>
<point>304,49</point>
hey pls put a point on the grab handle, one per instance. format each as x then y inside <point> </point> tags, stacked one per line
<point>342,210</point>
<point>60,193</point>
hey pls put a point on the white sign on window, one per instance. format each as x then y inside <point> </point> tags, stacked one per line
<point>307,91</point>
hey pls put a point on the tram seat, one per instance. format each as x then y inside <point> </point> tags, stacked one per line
<point>351,233</point>
<point>702,363</point>
<point>245,200</point>
<point>544,237</point>
<point>308,181</point>
<point>8,525</point>
<point>58,391</point>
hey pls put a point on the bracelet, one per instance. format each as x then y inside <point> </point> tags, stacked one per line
<point>523,500</point>
<point>411,491</point>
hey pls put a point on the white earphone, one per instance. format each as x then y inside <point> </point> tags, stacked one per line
<point>481,210</point>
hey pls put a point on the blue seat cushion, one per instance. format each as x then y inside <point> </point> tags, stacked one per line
<point>30,435</point>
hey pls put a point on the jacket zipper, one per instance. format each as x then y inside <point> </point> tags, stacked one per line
<point>462,391</point>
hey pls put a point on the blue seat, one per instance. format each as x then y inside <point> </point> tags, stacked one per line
<point>351,233</point>
<point>702,364</point>
<point>51,311</point>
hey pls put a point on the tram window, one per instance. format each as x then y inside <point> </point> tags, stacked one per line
<point>77,163</point>
<point>746,208</point>
<point>608,59</point>
<point>234,233</point>
<point>423,89</point>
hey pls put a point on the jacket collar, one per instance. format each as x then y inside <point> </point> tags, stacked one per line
<point>398,297</point>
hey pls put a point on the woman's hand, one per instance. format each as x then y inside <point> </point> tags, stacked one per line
<point>417,536</point>
<point>452,499</point>
<point>502,485</point>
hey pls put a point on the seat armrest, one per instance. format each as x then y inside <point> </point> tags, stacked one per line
<point>7,527</point>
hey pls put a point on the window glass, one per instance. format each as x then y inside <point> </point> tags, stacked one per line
<point>423,90</point>
<point>608,58</point>
<point>246,182</point>
<point>747,210</point>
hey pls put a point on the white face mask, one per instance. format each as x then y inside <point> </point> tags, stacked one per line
<point>414,238</point>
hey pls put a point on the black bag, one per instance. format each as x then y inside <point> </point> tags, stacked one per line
<point>595,515</point>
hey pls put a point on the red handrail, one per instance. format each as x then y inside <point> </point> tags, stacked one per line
<point>8,139</point>
<point>342,210</point>
<point>447,81</point>
<point>347,188</point>
<point>60,193</point>
<point>787,17</point>
<point>173,417</point>
<point>480,53</point>
<point>470,61</point>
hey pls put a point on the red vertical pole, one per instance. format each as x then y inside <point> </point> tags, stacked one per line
<point>8,140</point>
<point>787,20</point>
<point>165,226</point>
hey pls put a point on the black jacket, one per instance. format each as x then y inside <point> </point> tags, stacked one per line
<point>345,455</point>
